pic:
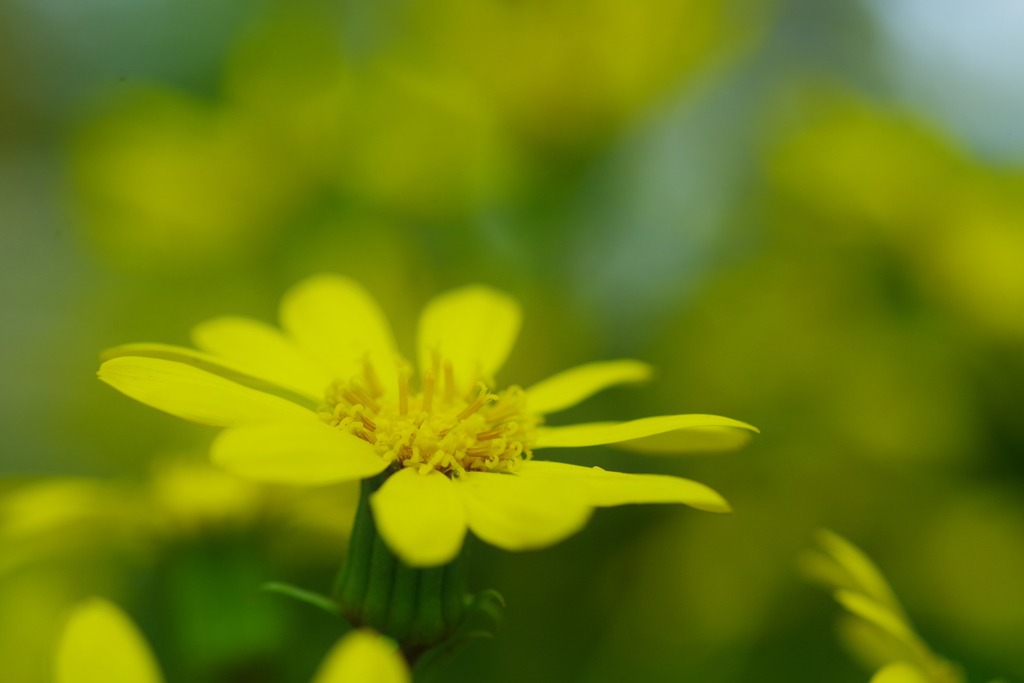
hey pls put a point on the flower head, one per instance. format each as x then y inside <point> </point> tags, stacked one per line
<point>329,399</point>
<point>878,629</point>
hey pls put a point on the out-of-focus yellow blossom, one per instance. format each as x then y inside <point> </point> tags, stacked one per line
<point>564,72</point>
<point>101,644</point>
<point>344,409</point>
<point>877,629</point>
<point>882,176</point>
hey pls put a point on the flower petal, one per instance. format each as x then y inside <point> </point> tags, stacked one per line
<point>474,327</point>
<point>256,345</point>
<point>607,489</point>
<point>859,568</point>
<point>597,433</point>
<point>881,616</point>
<point>216,365</point>
<point>690,440</point>
<point>900,672</point>
<point>303,453</point>
<point>100,644</point>
<point>196,395</point>
<point>568,388</point>
<point>420,517</point>
<point>338,324</point>
<point>363,656</point>
<point>521,513</point>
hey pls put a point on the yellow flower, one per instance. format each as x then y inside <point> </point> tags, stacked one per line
<point>335,402</point>
<point>101,644</point>
<point>878,630</point>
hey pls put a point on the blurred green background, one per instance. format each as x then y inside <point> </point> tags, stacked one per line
<point>808,215</point>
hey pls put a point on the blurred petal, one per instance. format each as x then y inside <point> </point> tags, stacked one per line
<point>421,517</point>
<point>307,453</point>
<point>256,345</point>
<point>216,365</point>
<point>691,440</point>
<point>568,388</point>
<point>196,395</point>
<point>900,672</point>
<point>878,614</point>
<point>607,489</point>
<point>100,644</point>
<point>337,322</point>
<point>363,656</point>
<point>474,327</point>
<point>521,513</point>
<point>597,433</point>
<point>863,573</point>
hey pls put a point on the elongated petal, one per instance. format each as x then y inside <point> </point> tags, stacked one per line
<point>256,345</point>
<point>568,388</point>
<point>228,369</point>
<point>196,395</point>
<point>100,644</point>
<point>878,614</point>
<point>900,672</point>
<point>690,440</point>
<point>597,433</point>
<point>363,656</point>
<point>474,328</point>
<point>521,513</point>
<point>862,572</point>
<point>304,453</point>
<point>607,489</point>
<point>421,517</point>
<point>338,324</point>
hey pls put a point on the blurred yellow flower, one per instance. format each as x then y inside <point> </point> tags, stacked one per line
<point>461,455</point>
<point>879,631</point>
<point>101,644</point>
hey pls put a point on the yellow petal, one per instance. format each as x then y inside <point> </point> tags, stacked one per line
<point>862,572</point>
<point>607,489</point>
<point>303,453</point>
<point>521,513</point>
<point>900,672</point>
<point>474,328</point>
<point>195,394</point>
<point>363,657</point>
<point>568,388</point>
<point>236,372</point>
<point>597,433</point>
<point>338,324</point>
<point>100,644</point>
<point>691,440</point>
<point>420,517</point>
<point>256,345</point>
<point>881,616</point>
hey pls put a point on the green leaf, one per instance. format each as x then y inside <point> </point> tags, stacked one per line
<point>303,595</point>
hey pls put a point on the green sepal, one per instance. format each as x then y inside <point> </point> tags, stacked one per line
<point>302,595</point>
<point>483,615</point>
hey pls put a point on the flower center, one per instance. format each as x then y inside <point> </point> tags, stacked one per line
<point>435,429</point>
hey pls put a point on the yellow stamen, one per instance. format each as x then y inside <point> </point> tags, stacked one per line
<point>428,391</point>
<point>403,391</point>
<point>449,383</point>
<point>372,381</point>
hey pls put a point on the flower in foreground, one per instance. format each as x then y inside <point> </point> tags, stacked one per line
<point>101,644</point>
<point>329,400</point>
<point>878,629</point>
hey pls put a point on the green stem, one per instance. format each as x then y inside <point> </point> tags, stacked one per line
<point>418,607</point>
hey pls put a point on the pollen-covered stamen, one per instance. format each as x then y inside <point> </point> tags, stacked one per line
<point>372,381</point>
<point>489,432</point>
<point>449,383</point>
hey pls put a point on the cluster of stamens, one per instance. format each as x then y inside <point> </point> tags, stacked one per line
<point>436,429</point>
